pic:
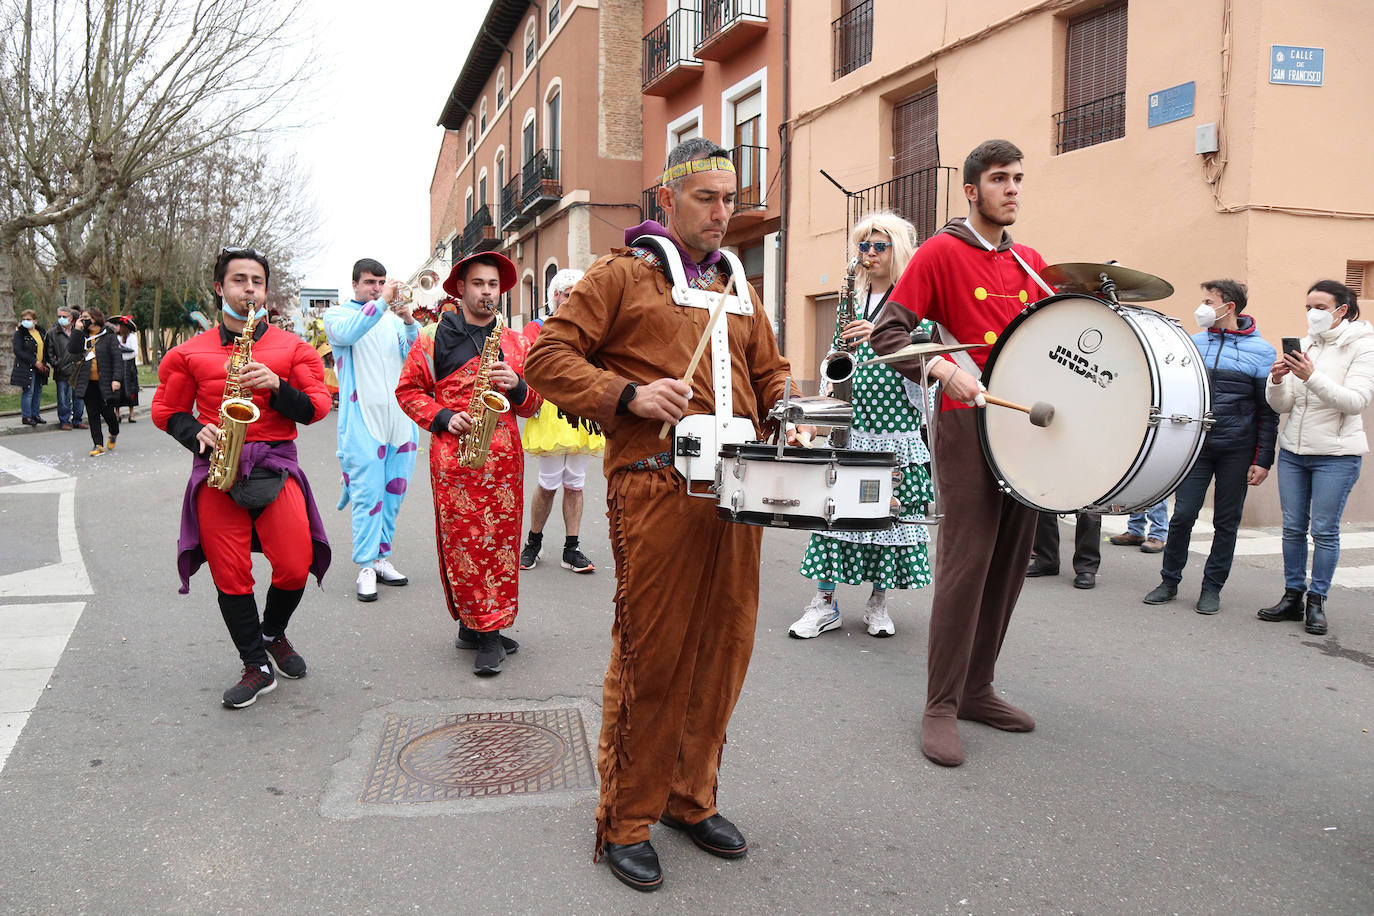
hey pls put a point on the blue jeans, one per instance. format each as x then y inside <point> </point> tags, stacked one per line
<point>66,400</point>
<point>1158,517</point>
<point>1230,468</point>
<point>28,401</point>
<point>1313,488</point>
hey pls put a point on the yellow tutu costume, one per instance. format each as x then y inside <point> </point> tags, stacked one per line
<point>546,433</point>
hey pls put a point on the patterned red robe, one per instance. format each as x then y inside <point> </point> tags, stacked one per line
<point>478,512</point>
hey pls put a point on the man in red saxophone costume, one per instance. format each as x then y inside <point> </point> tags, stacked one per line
<point>270,507</point>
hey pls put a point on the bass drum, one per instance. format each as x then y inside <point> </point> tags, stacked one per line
<point>1132,406</point>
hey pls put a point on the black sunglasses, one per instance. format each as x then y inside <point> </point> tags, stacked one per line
<point>879,247</point>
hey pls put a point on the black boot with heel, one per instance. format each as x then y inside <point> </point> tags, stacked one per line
<point>1316,614</point>
<point>1289,607</point>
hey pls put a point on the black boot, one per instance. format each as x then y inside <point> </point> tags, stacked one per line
<point>1316,614</point>
<point>1289,607</point>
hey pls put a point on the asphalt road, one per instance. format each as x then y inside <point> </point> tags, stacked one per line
<point>1182,764</point>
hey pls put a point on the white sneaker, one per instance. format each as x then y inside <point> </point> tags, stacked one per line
<point>388,573</point>
<point>820,615</point>
<point>367,584</point>
<point>875,616</point>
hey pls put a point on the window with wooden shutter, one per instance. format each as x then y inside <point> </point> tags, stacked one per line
<point>1359,276</point>
<point>916,160</point>
<point>1094,80</point>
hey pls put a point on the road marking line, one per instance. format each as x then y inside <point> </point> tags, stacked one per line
<point>25,468</point>
<point>32,639</point>
<point>67,576</point>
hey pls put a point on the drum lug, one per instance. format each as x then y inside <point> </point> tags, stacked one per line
<point>1003,486</point>
<point>734,502</point>
<point>739,469</point>
<point>1208,420</point>
<point>898,478</point>
<point>829,511</point>
<point>720,476</point>
<point>832,474</point>
<point>1154,417</point>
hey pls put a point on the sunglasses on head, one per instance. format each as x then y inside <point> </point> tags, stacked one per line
<point>879,247</point>
<point>234,252</point>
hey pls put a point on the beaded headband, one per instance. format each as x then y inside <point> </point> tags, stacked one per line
<point>692,166</point>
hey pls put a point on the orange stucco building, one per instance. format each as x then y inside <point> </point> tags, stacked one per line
<point>1109,102</point>
<point>541,153</point>
<point>714,69</point>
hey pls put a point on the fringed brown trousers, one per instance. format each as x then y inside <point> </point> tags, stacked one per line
<point>685,604</point>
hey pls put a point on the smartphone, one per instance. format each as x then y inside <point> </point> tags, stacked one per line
<point>1292,345</point>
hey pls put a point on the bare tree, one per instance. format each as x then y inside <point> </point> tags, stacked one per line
<point>101,95</point>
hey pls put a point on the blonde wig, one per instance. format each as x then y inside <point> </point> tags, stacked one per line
<point>899,232</point>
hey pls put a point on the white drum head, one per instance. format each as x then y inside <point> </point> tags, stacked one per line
<point>1079,355</point>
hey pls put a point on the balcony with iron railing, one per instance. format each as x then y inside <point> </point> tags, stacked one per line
<point>1092,123</point>
<point>921,198</point>
<point>511,215</point>
<point>853,39</point>
<point>479,234</point>
<point>540,185</point>
<point>670,61</point>
<point>729,25</point>
<point>648,202</point>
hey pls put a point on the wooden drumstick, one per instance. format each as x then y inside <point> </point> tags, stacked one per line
<point>1041,414</point>
<point>701,345</point>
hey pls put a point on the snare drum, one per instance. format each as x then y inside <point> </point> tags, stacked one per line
<point>824,489</point>
<point>1132,405</point>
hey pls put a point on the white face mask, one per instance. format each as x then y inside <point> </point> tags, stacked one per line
<point>27,323</point>
<point>1206,316</point>
<point>1320,321</point>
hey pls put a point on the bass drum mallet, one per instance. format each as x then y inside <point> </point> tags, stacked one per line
<point>1041,413</point>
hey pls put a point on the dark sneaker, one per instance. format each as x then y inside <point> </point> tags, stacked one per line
<point>577,561</point>
<point>288,661</point>
<point>467,639</point>
<point>1208,602</point>
<point>490,654</point>
<point>255,681</point>
<point>529,556</point>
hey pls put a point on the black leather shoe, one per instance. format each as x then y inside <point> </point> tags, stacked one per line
<point>1085,580</point>
<point>1316,614</point>
<point>1036,571</point>
<point>1289,607</point>
<point>634,864</point>
<point>716,835</point>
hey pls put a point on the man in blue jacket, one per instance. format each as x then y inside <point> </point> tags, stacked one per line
<point>1239,449</point>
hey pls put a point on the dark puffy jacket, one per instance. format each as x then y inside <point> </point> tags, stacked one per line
<point>109,362</point>
<point>25,356</point>
<point>1238,364</point>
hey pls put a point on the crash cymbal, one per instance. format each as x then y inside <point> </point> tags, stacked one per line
<point>911,351</point>
<point>1131,285</point>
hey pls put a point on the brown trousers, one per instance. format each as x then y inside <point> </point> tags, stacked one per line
<point>981,556</point>
<point>685,604</point>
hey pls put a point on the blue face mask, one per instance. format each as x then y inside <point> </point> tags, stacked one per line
<point>27,324</point>
<point>229,310</point>
<point>64,321</point>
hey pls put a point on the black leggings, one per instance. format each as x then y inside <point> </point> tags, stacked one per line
<point>97,407</point>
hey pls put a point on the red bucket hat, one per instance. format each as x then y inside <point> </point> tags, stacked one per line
<point>504,267</point>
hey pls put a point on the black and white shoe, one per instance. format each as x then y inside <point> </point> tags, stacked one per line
<point>529,557</point>
<point>255,682</point>
<point>285,657</point>
<point>386,573</point>
<point>577,561</point>
<point>367,584</point>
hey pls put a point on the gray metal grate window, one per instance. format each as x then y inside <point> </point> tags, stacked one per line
<point>853,37</point>
<point>1094,81</point>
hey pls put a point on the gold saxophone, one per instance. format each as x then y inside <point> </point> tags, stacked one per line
<point>486,406</point>
<point>236,410</point>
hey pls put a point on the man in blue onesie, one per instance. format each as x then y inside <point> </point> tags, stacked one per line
<point>377,441</point>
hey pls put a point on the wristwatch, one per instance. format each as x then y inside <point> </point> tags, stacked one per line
<point>622,406</point>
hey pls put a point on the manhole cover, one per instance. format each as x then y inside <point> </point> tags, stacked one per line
<point>479,755</point>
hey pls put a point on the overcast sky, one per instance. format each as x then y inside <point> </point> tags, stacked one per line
<point>383,72</point>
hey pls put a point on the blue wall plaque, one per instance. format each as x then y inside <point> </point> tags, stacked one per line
<point>1172,104</point>
<point>1293,66</point>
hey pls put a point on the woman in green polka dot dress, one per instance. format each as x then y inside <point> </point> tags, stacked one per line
<point>886,419</point>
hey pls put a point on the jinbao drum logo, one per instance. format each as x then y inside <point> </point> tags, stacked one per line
<point>1077,362</point>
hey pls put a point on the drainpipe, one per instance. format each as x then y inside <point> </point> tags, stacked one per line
<point>785,137</point>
